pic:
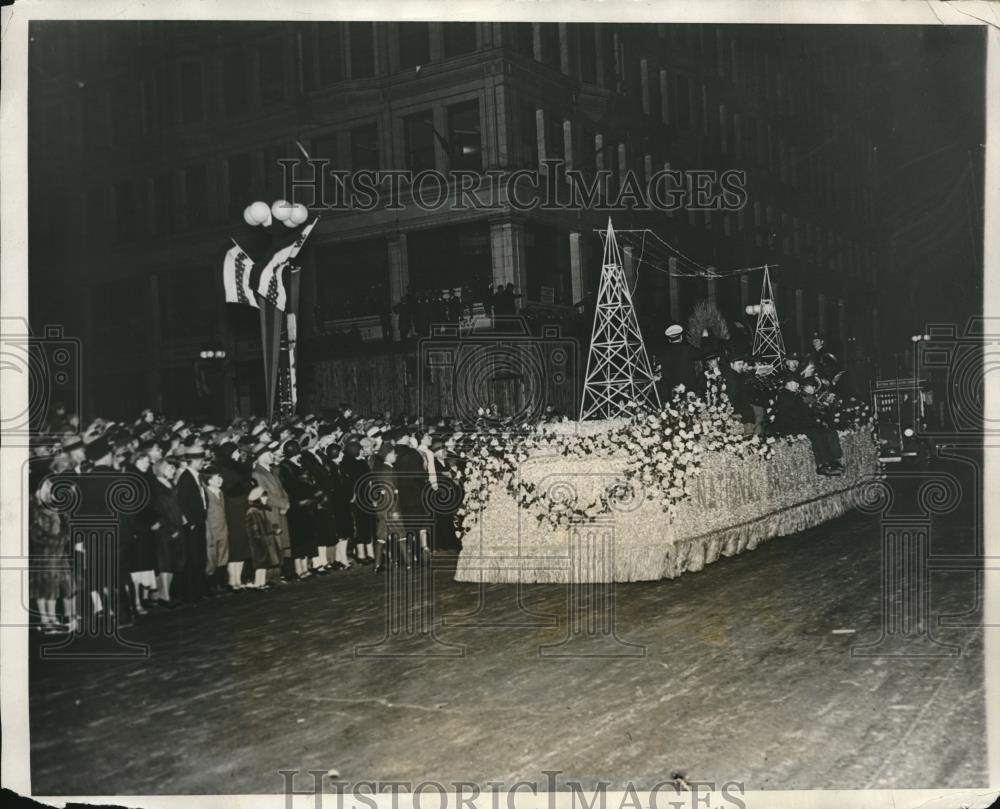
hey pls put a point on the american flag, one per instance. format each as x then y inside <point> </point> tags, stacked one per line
<point>271,284</point>
<point>275,293</point>
<point>236,276</point>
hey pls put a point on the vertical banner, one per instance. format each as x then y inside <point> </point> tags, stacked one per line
<point>293,328</point>
<point>270,342</point>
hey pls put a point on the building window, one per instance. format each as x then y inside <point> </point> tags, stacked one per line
<point>324,147</point>
<point>664,96</point>
<point>128,211</point>
<point>274,172</point>
<point>187,306</point>
<point>414,44</point>
<point>192,93</point>
<point>749,132</point>
<point>705,111</point>
<point>197,203</point>
<point>164,211</point>
<point>234,83</point>
<point>708,43</point>
<point>548,273</point>
<point>117,313</point>
<point>609,56</point>
<point>364,147</point>
<point>465,136</point>
<point>272,71</point>
<point>449,257</point>
<point>587,160</point>
<point>166,96</point>
<point>651,91</point>
<point>555,147</point>
<point>330,44</point>
<point>549,33</point>
<point>459,38</point>
<point>587,36</point>
<point>341,291</point>
<point>125,111</point>
<point>529,137</point>
<point>52,124</point>
<point>523,38</point>
<point>635,88</point>
<point>615,162</point>
<point>239,171</point>
<point>362,40</point>
<point>682,102</point>
<point>419,134</point>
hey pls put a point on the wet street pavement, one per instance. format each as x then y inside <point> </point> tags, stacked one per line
<point>783,668</point>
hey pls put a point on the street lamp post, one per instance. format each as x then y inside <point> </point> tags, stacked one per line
<point>292,215</point>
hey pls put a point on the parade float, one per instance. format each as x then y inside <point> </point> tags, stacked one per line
<point>637,490</point>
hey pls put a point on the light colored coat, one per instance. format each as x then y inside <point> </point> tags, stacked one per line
<point>216,531</point>
<point>277,501</point>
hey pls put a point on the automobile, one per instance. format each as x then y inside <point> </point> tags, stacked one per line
<point>899,406</point>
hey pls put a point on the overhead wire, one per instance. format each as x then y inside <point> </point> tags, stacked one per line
<point>688,269</point>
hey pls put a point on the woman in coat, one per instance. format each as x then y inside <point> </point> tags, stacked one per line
<point>265,550</point>
<point>304,497</point>
<point>236,485</point>
<point>446,499</point>
<point>168,526</point>
<point>352,470</point>
<point>138,544</point>
<point>343,518</point>
<point>429,489</point>
<point>51,576</point>
<point>382,497</point>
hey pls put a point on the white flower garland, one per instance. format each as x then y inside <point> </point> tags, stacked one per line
<point>664,451</point>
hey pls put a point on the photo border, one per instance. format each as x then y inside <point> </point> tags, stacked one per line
<point>14,645</point>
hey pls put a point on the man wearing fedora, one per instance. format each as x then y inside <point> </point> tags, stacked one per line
<point>194,504</point>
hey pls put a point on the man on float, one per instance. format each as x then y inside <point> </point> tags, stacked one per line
<point>737,376</point>
<point>677,362</point>
<point>824,361</point>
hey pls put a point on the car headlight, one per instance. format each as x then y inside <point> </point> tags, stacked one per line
<point>908,432</point>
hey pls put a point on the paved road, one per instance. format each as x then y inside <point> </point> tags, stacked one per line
<point>744,672</point>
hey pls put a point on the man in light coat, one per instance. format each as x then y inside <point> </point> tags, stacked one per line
<point>277,498</point>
